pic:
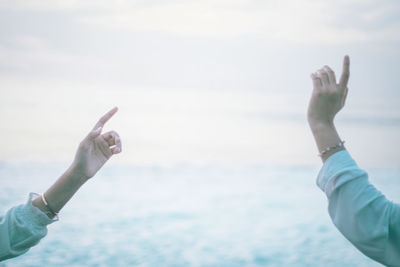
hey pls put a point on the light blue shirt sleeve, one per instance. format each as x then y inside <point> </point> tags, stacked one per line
<point>360,212</point>
<point>21,228</point>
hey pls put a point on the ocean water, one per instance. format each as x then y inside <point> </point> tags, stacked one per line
<point>189,215</point>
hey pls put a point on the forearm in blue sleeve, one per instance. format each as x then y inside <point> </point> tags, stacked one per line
<point>360,212</point>
<point>21,228</point>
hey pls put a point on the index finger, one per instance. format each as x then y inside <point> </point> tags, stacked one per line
<point>105,118</point>
<point>345,73</point>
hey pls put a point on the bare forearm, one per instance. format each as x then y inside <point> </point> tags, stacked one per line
<point>327,99</point>
<point>325,135</point>
<point>93,152</point>
<point>61,191</point>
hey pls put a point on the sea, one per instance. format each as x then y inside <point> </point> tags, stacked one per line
<point>188,215</point>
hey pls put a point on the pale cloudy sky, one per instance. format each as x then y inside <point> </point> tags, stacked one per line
<point>196,81</point>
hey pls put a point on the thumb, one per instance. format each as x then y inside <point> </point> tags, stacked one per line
<point>345,73</point>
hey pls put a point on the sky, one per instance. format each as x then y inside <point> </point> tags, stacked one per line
<point>196,82</point>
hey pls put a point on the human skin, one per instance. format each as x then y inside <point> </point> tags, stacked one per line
<point>327,99</point>
<point>93,152</point>
<point>358,210</point>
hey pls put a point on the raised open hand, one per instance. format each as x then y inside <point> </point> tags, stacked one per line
<point>94,151</point>
<point>328,97</point>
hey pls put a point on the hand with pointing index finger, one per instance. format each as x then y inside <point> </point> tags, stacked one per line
<point>30,224</point>
<point>328,97</point>
<point>94,151</point>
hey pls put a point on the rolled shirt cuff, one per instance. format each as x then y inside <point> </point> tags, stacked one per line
<point>338,169</point>
<point>34,214</point>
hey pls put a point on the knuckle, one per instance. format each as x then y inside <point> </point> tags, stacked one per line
<point>84,144</point>
<point>318,92</point>
<point>332,92</point>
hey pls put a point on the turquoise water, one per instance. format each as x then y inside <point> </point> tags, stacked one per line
<point>189,216</point>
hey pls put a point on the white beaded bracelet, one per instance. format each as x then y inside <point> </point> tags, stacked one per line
<point>326,150</point>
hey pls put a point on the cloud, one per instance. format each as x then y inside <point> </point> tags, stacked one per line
<point>307,22</point>
<point>32,55</point>
<point>304,22</point>
<point>217,64</point>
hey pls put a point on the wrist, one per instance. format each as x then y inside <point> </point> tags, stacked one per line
<point>320,125</point>
<point>76,175</point>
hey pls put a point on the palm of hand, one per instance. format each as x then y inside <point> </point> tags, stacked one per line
<point>95,150</point>
<point>328,97</point>
<point>91,156</point>
<point>324,106</point>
